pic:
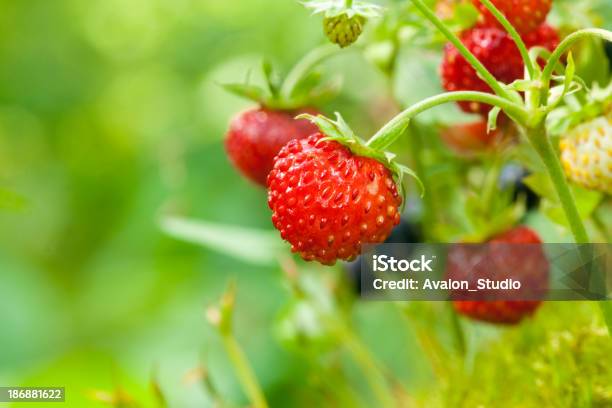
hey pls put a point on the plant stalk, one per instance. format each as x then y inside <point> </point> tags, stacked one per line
<point>467,54</point>
<point>245,373</point>
<point>513,34</point>
<point>565,45</point>
<point>392,130</point>
<point>368,365</point>
<point>541,143</point>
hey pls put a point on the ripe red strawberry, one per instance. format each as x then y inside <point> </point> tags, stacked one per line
<point>545,36</point>
<point>469,138</point>
<point>497,52</point>
<point>524,261</point>
<point>524,15</point>
<point>256,136</point>
<point>326,201</point>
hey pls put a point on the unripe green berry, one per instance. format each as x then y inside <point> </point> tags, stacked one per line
<point>342,29</point>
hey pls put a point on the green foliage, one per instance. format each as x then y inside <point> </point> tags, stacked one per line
<point>111,114</point>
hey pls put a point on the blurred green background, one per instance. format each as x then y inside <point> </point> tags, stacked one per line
<point>111,115</point>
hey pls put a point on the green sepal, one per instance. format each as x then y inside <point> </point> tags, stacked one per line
<point>247,91</point>
<point>272,80</point>
<point>578,107</point>
<point>332,8</point>
<point>558,93</point>
<point>492,119</point>
<point>521,85</point>
<point>308,90</point>
<point>339,131</point>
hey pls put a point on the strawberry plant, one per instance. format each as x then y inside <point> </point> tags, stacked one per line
<point>533,142</point>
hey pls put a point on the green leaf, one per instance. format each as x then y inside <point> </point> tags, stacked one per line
<point>540,183</point>
<point>586,203</point>
<point>259,247</point>
<point>591,62</point>
<point>247,91</point>
<point>586,200</point>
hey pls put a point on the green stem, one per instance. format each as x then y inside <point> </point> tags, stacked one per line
<point>417,150</point>
<point>490,188</point>
<point>392,130</point>
<point>540,141</point>
<point>245,373</point>
<point>514,34</point>
<point>303,67</point>
<point>467,54</point>
<point>458,333</point>
<point>565,45</point>
<point>606,311</point>
<point>368,365</point>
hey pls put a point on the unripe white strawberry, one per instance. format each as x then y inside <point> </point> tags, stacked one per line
<point>343,22</point>
<point>342,29</point>
<point>586,154</point>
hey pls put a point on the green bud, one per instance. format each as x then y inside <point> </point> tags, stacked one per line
<point>342,29</point>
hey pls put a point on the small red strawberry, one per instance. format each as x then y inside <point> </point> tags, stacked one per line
<point>524,15</point>
<point>518,256</point>
<point>467,139</point>
<point>545,36</point>
<point>327,201</point>
<point>256,136</point>
<point>497,52</point>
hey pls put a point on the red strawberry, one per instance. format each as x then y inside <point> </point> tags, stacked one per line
<point>326,201</point>
<point>497,52</point>
<point>545,36</point>
<point>256,136</point>
<point>526,263</point>
<point>469,138</point>
<point>524,15</point>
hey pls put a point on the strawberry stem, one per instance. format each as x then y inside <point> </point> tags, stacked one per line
<point>541,143</point>
<point>221,317</point>
<point>513,34</point>
<point>565,45</point>
<point>465,52</point>
<point>394,129</point>
<point>369,366</point>
<point>303,67</point>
